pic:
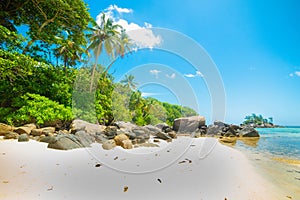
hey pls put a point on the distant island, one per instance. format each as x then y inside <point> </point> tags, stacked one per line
<point>258,121</point>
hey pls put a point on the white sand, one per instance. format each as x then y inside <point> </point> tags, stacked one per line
<point>31,171</point>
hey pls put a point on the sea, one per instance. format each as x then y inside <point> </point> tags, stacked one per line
<point>278,142</point>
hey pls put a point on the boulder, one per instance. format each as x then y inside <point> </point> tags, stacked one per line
<point>163,136</point>
<point>100,138</point>
<point>188,124</point>
<point>141,133</point>
<point>4,128</point>
<point>120,138</point>
<point>153,130</point>
<point>213,130</point>
<point>25,129</point>
<point>23,138</point>
<point>80,125</point>
<point>221,124</point>
<point>66,142</point>
<point>125,127</point>
<point>162,125</point>
<point>127,144</point>
<point>84,138</point>
<point>42,131</point>
<point>172,134</point>
<point>248,132</point>
<point>47,139</point>
<point>109,144</point>
<point>111,132</point>
<point>11,135</point>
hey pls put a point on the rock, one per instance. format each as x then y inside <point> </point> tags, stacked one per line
<point>127,144</point>
<point>125,125</point>
<point>25,129</point>
<point>172,134</point>
<point>42,131</point>
<point>4,129</point>
<point>80,125</point>
<point>84,138</point>
<point>120,138</point>
<point>109,144</point>
<point>11,135</point>
<point>131,135</point>
<point>152,129</point>
<point>248,132</point>
<point>213,130</point>
<point>110,132</point>
<point>188,124</point>
<point>141,133</point>
<point>163,136</point>
<point>23,138</point>
<point>47,139</point>
<point>162,125</point>
<point>66,142</point>
<point>221,124</point>
<point>100,138</point>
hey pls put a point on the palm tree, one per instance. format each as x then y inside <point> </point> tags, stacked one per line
<point>107,36</point>
<point>129,82</point>
<point>69,51</point>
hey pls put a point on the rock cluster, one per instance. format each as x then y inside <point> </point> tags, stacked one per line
<point>124,134</point>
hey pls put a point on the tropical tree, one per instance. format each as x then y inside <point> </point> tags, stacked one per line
<point>109,37</point>
<point>46,22</point>
<point>69,51</point>
<point>129,82</point>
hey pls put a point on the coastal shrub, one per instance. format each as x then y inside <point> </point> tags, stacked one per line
<point>34,108</point>
<point>20,74</point>
<point>103,99</point>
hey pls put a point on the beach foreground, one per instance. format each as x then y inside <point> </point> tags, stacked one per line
<point>206,170</point>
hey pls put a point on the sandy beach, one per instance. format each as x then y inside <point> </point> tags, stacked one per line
<point>206,170</point>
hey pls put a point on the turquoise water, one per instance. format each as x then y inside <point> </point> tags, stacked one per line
<point>281,142</point>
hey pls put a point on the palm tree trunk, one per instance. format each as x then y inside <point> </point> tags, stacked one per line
<point>109,66</point>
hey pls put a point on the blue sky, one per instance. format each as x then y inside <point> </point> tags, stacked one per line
<point>255,46</point>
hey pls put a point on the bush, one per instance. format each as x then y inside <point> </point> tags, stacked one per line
<point>33,108</point>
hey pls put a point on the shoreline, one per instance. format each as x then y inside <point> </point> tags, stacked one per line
<point>32,171</point>
<point>282,172</point>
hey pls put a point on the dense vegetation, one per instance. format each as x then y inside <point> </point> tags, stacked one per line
<point>40,73</point>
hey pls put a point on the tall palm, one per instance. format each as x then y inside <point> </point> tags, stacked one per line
<point>129,81</point>
<point>106,36</point>
<point>69,51</point>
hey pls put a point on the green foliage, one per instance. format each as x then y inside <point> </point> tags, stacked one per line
<point>33,108</point>
<point>103,99</point>
<point>120,103</point>
<point>21,74</point>
<point>10,40</point>
<point>257,119</point>
<point>49,23</point>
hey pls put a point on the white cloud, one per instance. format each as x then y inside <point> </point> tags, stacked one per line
<point>198,73</point>
<point>155,72</point>
<point>172,76</point>
<point>190,75</point>
<point>141,36</point>
<point>296,73</point>
<point>118,9</point>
